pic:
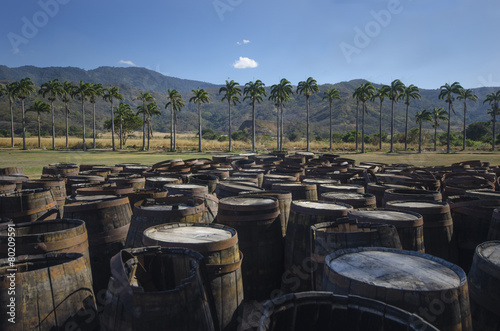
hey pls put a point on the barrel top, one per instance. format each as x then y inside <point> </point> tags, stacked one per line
<point>342,186</point>
<point>491,252</point>
<point>243,200</point>
<point>416,204</point>
<point>92,197</point>
<point>239,185</point>
<point>391,215</point>
<point>395,270</point>
<point>347,195</point>
<point>188,234</point>
<point>177,206</point>
<point>162,179</point>
<point>185,186</point>
<point>321,205</point>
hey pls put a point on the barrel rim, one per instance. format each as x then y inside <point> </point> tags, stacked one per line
<point>315,211</point>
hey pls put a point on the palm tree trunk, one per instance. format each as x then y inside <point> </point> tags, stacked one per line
<point>363,128</point>
<point>93,127</point>
<point>67,126</point>
<point>420,138</point>
<point>172,128</point>
<point>331,129</point>
<point>465,111</point>
<point>112,127</point>
<point>380,128</point>
<point>307,126</point>
<point>435,136</point>
<point>357,115</point>
<point>53,125</point>
<point>229,102</point>
<point>121,132</point>
<point>149,131</point>
<point>84,147</point>
<point>494,124</point>
<point>11,125</point>
<point>392,127</point>
<point>406,128</point>
<point>175,131</point>
<point>449,129</point>
<point>281,130</point>
<point>199,127</point>
<point>39,140</point>
<point>253,126</point>
<point>143,127</point>
<point>278,129</point>
<point>24,125</point>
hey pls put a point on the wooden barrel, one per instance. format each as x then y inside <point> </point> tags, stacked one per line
<point>284,200</point>
<point>61,169</point>
<point>259,233</point>
<point>156,288</point>
<point>494,231</point>
<point>328,311</point>
<point>82,179</point>
<point>356,200</point>
<point>56,236</point>
<point>225,190</point>
<point>484,286</point>
<point>57,186</point>
<point>244,180</point>
<point>328,237</point>
<point>14,179</point>
<point>270,179</point>
<point>172,209</point>
<point>418,283</point>
<point>471,224</point>
<point>378,191</point>
<point>249,173</point>
<point>438,226</point>
<point>29,205</point>
<point>11,171</point>
<point>7,187</point>
<point>159,182</point>
<point>185,189</point>
<point>340,188</point>
<point>410,225</point>
<point>299,191</point>
<point>107,223</point>
<point>303,214</point>
<point>219,246</point>
<point>51,292</point>
<point>483,194</point>
<point>393,194</point>
<point>205,179</point>
<point>105,190</point>
<point>145,193</point>
<point>136,168</point>
<point>134,181</point>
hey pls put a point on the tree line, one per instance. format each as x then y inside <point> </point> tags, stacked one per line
<point>280,94</point>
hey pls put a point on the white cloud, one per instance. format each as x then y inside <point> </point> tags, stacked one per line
<point>244,42</point>
<point>245,62</point>
<point>130,63</point>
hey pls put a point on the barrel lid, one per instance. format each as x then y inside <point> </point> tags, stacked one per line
<point>166,207</point>
<point>185,186</point>
<point>384,214</point>
<point>348,195</point>
<point>319,181</point>
<point>162,179</point>
<point>490,251</point>
<point>346,187</point>
<point>420,205</point>
<point>188,235</point>
<point>274,176</point>
<point>326,208</point>
<point>90,197</point>
<point>395,269</point>
<point>242,200</point>
<point>238,186</point>
<point>295,185</point>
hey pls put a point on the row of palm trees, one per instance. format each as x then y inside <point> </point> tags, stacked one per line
<point>253,91</point>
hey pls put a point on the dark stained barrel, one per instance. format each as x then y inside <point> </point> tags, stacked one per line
<point>219,246</point>
<point>11,171</point>
<point>29,205</point>
<point>52,292</point>
<point>328,237</point>
<point>410,225</point>
<point>205,179</point>
<point>299,191</point>
<point>159,182</point>
<point>244,180</point>
<point>14,179</point>
<point>270,179</point>
<point>303,214</point>
<point>494,231</point>
<point>483,194</point>
<point>378,191</point>
<point>284,200</point>
<point>172,209</point>
<point>357,200</point>
<point>411,194</point>
<point>259,233</point>
<point>57,186</point>
<point>155,288</point>
<point>107,223</point>
<point>61,169</point>
<point>225,190</point>
<point>484,286</point>
<point>145,193</point>
<point>418,283</point>
<point>249,173</point>
<point>104,190</point>
<point>134,181</point>
<point>328,311</point>
<point>7,187</point>
<point>439,239</point>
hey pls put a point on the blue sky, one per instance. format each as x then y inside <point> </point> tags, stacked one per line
<point>422,42</point>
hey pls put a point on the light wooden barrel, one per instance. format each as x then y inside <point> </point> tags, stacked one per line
<point>57,186</point>
<point>7,187</point>
<point>299,191</point>
<point>418,283</point>
<point>328,311</point>
<point>356,200</point>
<point>52,292</point>
<point>259,234</point>
<point>219,246</point>
<point>298,262</point>
<point>225,190</point>
<point>328,237</point>
<point>438,226</point>
<point>159,182</point>
<point>29,205</point>
<point>410,225</point>
<point>61,169</point>
<point>11,171</point>
<point>484,287</point>
<point>244,180</point>
<point>410,194</point>
<point>155,288</point>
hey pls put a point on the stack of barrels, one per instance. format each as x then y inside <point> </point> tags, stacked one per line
<point>115,247</point>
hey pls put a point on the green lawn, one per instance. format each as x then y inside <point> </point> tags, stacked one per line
<point>32,161</point>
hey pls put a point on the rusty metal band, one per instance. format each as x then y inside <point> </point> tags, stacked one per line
<point>31,211</point>
<point>39,247</point>
<point>218,269</point>
<point>109,236</point>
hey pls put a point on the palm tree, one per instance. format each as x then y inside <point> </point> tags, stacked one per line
<point>380,94</point>
<point>493,99</point>
<point>52,89</point>
<point>95,91</point>
<point>280,93</point>
<point>199,96</point>
<point>366,92</point>
<point>438,114</point>
<point>67,96</point>
<point>144,97</point>
<point>356,95</point>
<point>446,93</point>
<point>151,109</point>
<point>24,89</point>
<point>420,117</point>
<point>231,92</point>
<point>39,107</point>
<point>82,92</point>
<point>11,95</point>
<point>331,95</point>
<point>254,92</point>
<point>395,90</point>
<point>307,88</point>
<point>410,92</point>
<point>176,103</point>
<point>109,94</point>
<point>121,111</point>
<point>466,94</point>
